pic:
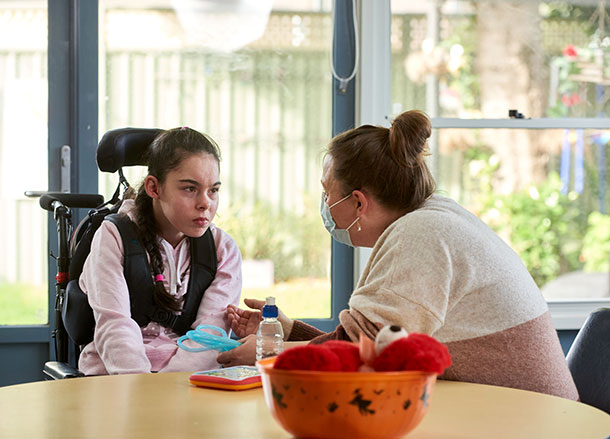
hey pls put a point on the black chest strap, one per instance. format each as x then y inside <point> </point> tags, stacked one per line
<point>140,280</point>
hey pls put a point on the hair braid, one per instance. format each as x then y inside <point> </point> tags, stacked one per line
<point>147,229</point>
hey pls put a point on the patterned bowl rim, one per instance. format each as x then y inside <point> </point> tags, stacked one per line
<point>265,366</point>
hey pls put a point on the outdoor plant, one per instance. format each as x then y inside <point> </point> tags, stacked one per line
<point>541,225</point>
<point>297,243</point>
<point>596,243</point>
<point>566,67</point>
<point>577,70</point>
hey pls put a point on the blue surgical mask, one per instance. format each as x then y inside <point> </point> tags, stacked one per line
<point>340,235</point>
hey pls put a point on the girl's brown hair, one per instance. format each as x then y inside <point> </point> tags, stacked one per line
<point>166,153</point>
<point>387,162</point>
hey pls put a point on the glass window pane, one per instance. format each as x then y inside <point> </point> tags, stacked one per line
<point>478,59</point>
<point>545,192</point>
<point>256,79</point>
<point>23,162</point>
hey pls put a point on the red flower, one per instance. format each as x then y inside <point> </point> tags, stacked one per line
<point>570,51</point>
<point>570,99</point>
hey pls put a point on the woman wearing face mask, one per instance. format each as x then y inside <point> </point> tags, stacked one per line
<point>435,268</point>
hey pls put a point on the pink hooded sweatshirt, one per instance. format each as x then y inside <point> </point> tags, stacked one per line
<point>119,344</point>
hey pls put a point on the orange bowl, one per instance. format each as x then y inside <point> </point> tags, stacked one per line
<point>346,404</point>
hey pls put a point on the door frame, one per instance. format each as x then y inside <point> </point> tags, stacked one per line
<point>72,120</point>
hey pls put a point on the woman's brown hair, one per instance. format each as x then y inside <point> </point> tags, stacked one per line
<point>166,153</point>
<point>387,162</point>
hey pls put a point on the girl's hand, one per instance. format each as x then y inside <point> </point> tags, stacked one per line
<point>244,322</point>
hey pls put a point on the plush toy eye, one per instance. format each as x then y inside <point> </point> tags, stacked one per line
<point>387,335</point>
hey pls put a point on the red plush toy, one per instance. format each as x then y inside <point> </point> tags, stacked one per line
<point>348,353</point>
<point>309,357</point>
<point>414,352</point>
<point>393,350</point>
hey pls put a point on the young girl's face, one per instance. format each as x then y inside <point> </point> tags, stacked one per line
<point>186,202</point>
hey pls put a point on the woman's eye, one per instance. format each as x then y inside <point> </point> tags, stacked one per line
<point>190,188</point>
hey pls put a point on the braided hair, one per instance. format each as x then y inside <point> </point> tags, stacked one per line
<point>166,153</point>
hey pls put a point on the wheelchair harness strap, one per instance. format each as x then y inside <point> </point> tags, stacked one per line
<point>77,314</point>
<point>140,279</point>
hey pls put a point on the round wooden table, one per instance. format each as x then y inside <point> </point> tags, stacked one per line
<point>168,406</point>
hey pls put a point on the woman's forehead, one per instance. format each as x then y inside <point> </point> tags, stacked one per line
<point>327,178</point>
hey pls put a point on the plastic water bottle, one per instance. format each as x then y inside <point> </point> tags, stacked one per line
<point>270,335</point>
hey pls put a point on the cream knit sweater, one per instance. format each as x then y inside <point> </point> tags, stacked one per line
<point>441,271</point>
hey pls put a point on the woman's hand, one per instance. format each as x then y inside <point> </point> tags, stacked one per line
<point>244,322</point>
<point>241,355</point>
<point>245,355</point>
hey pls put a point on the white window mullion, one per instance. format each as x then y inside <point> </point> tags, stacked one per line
<point>570,314</point>
<point>374,78</point>
<point>542,123</point>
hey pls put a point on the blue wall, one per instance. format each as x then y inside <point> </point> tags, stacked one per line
<point>566,337</point>
<point>22,362</point>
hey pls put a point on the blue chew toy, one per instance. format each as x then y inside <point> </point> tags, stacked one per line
<point>209,341</point>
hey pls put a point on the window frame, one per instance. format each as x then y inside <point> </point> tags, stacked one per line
<point>72,120</point>
<point>375,75</point>
<point>344,118</point>
<point>567,314</point>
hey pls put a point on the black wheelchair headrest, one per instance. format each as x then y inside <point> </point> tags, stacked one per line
<point>125,147</point>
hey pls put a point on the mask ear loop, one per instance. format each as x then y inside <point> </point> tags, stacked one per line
<point>357,227</point>
<point>342,199</point>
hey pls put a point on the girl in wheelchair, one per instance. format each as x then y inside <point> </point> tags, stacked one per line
<point>172,211</point>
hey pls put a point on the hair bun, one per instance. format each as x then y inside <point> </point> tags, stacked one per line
<point>408,136</point>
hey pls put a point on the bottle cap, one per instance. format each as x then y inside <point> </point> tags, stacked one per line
<point>270,310</point>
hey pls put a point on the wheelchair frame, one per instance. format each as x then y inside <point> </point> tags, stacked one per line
<point>117,148</point>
